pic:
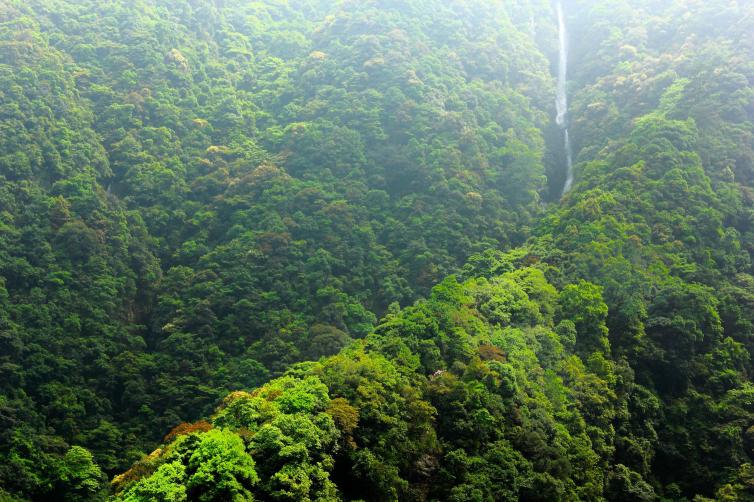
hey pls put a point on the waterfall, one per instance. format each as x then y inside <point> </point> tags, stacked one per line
<point>562,97</point>
<point>561,102</point>
<point>569,163</point>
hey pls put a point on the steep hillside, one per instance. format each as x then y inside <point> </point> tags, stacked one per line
<point>474,394</point>
<point>199,196</point>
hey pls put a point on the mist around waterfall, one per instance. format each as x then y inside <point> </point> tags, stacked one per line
<point>561,99</point>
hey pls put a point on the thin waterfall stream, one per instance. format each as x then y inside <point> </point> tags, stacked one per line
<point>562,96</point>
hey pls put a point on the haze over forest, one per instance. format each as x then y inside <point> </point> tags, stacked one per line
<point>376,250</point>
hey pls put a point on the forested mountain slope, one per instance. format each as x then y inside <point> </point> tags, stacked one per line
<point>197,196</point>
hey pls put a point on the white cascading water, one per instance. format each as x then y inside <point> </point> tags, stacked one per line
<point>562,97</point>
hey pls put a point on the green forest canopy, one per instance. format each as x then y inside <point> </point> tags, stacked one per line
<point>198,197</point>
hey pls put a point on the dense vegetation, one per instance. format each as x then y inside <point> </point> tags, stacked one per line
<point>196,197</point>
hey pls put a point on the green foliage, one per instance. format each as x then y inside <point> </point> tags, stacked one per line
<point>80,477</point>
<point>164,485</point>
<point>275,443</point>
<point>582,304</point>
<point>513,416</point>
<point>221,469</point>
<point>197,196</point>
